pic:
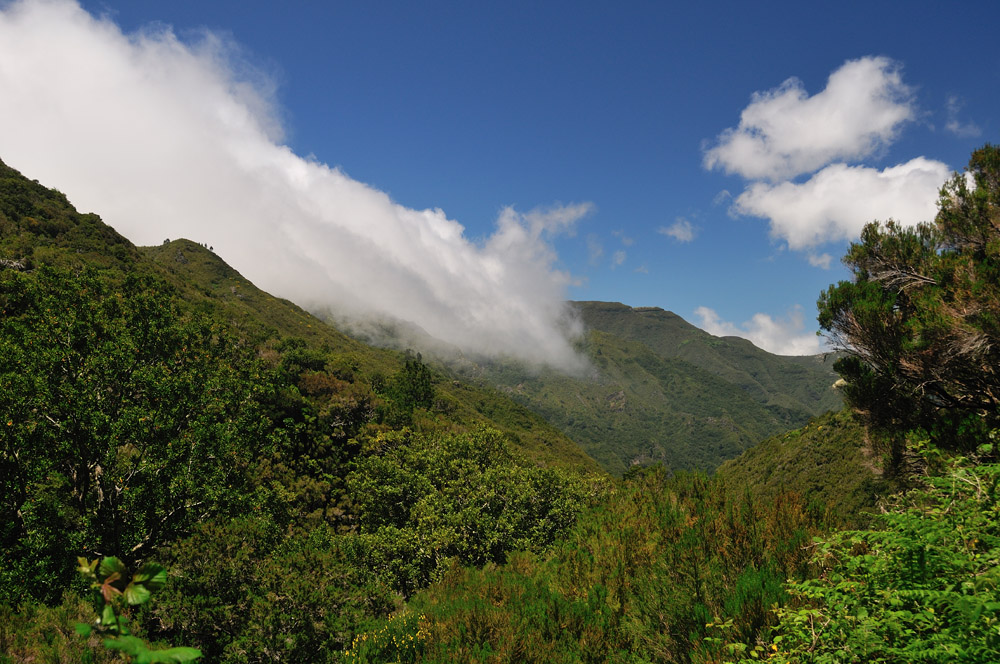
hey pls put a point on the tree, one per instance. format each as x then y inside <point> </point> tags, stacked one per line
<point>920,320</point>
<point>122,422</point>
<point>409,388</point>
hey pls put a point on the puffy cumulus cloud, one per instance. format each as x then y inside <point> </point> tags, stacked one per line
<point>836,203</point>
<point>784,132</point>
<point>170,139</point>
<point>682,230</point>
<point>785,336</point>
<point>618,258</point>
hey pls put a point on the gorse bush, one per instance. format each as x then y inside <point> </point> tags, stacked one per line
<point>398,639</point>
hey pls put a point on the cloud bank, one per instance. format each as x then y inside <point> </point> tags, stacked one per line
<point>785,336</point>
<point>785,135</point>
<point>165,138</point>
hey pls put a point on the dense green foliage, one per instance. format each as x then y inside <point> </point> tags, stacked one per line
<point>316,500</point>
<point>636,580</point>
<point>128,427</point>
<point>425,503</point>
<point>123,425</point>
<point>922,586</point>
<point>112,596</point>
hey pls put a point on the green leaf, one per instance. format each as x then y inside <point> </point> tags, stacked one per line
<point>108,615</point>
<point>179,654</point>
<point>129,645</point>
<point>110,565</point>
<point>83,629</point>
<point>151,575</point>
<point>137,593</point>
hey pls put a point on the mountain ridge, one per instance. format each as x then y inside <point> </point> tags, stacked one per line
<point>40,227</point>
<point>664,391</point>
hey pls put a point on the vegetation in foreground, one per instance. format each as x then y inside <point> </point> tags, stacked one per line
<point>307,517</point>
<point>699,576</point>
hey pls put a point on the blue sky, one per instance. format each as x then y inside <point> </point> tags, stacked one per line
<point>608,123</point>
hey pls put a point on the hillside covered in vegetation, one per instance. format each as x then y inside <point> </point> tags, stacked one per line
<point>245,484</point>
<point>153,396</point>
<point>663,391</point>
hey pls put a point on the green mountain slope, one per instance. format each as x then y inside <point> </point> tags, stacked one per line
<point>797,383</point>
<point>38,226</point>
<point>662,390</point>
<point>827,462</point>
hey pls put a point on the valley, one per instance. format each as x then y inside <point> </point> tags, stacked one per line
<point>247,483</point>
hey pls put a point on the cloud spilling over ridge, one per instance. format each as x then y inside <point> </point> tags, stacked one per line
<point>784,132</point>
<point>836,203</point>
<point>786,336</point>
<point>167,139</point>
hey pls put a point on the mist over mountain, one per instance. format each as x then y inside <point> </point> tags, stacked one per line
<point>168,138</point>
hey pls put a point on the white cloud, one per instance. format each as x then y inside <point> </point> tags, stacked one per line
<point>169,139</point>
<point>786,336</point>
<point>821,260</point>
<point>837,202</point>
<point>784,132</point>
<point>681,230</point>
<point>618,258</point>
<point>642,269</point>
<point>954,125</point>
